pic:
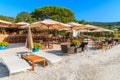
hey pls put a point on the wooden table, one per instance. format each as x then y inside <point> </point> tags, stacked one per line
<point>106,46</point>
<point>34,58</point>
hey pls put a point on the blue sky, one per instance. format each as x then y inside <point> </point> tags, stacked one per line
<point>89,10</point>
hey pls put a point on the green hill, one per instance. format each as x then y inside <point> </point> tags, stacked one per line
<point>106,23</point>
<point>6,18</point>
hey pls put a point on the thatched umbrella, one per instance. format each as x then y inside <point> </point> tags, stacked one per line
<point>77,26</point>
<point>91,27</point>
<point>21,25</point>
<point>38,25</point>
<point>66,27</point>
<point>48,24</point>
<point>4,24</point>
<point>102,30</point>
<point>29,40</point>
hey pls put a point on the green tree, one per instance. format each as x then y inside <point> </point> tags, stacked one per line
<point>54,12</point>
<point>82,22</point>
<point>24,17</point>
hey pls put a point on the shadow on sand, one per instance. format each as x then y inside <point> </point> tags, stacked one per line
<point>56,52</point>
<point>15,45</point>
<point>3,71</point>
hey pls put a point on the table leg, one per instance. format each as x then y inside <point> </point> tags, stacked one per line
<point>33,65</point>
<point>44,63</point>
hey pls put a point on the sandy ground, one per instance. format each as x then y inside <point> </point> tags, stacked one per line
<point>89,65</point>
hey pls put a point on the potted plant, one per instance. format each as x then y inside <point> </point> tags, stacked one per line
<point>76,43</point>
<point>3,45</point>
<point>37,47</point>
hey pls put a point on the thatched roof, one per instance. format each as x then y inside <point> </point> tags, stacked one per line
<point>102,30</point>
<point>21,25</point>
<point>77,26</point>
<point>91,27</point>
<point>5,23</point>
<point>48,24</point>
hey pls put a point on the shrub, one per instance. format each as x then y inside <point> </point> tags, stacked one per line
<point>76,42</point>
<point>106,39</point>
<point>37,45</point>
<point>96,39</point>
<point>116,36</point>
<point>62,33</point>
<point>4,44</point>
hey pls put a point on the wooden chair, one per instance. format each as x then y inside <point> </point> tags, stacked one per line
<point>64,48</point>
<point>106,46</point>
<point>50,46</point>
<point>44,46</point>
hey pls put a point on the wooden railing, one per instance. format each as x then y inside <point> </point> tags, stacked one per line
<point>16,38</point>
<point>19,38</point>
<point>13,38</point>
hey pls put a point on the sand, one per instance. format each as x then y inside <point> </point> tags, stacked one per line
<point>88,65</point>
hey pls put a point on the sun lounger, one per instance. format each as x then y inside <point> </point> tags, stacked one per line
<point>51,58</point>
<point>15,64</point>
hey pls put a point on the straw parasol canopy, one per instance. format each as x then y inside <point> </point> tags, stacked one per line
<point>91,27</point>
<point>66,27</point>
<point>77,26</point>
<point>102,30</point>
<point>48,24</point>
<point>5,23</point>
<point>106,30</point>
<point>29,39</point>
<point>21,25</point>
<point>84,30</point>
<point>38,25</point>
<point>74,24</point>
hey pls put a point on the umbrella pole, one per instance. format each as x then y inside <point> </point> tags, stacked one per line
<point>87,35</point>
<point>48,38</point>
<point>30,50</point>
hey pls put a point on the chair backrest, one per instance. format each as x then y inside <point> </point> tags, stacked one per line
<point>64,47</point>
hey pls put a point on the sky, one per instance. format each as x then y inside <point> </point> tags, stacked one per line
<point>89,10</point>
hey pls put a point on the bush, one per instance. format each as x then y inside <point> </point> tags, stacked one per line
<point>76,42</point>
<point>62,33</point>
<point>96,39</point>
<point>116,36</point>
<point>4,44</point>
<point>106,39</point>
<point>37,45</point>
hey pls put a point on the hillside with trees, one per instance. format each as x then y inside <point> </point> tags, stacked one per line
<point>107,23</point>
<point>6,18</point>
